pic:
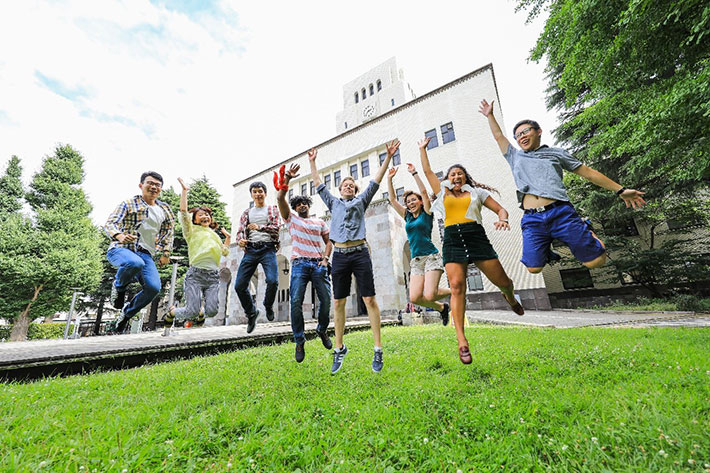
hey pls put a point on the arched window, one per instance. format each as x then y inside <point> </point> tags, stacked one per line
<point>379,85</point>
<point>364,93</point>
<point>372,90</point>
<point>357,97</point>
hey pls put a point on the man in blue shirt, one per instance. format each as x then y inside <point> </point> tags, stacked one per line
<point>537,170</point>
<point>351,256</point>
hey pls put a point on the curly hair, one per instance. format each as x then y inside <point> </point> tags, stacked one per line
<point>206,210</point>
<point>300,199</point>
<point>469,179</point>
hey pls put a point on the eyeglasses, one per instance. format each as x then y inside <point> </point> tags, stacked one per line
<point>157,185</point>
<point>523,132</point>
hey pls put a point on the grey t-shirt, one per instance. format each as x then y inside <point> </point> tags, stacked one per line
<point>348,216</point>
<point>150,227</point>
<point>539,172</point>
<point>259,215</point>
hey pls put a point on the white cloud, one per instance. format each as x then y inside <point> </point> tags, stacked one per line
<point>233,87</point>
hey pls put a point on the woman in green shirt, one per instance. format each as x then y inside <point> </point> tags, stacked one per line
<point>205,248</point>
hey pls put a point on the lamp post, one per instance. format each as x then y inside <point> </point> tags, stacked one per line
<point>171,294</point>
<point>70,315</point>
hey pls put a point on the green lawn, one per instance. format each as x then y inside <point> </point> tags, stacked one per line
<point>533,400</point>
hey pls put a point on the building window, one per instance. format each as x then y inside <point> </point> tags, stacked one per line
<point>576,278</point>
<point>447,133</point>
<point>353,171</point>
<point>396,158</point>
<point>346,125</point>
<point>393,102</point>
<point>357,98</point>
<point>365,167</point>
<point>400,193</point>
<point>336,178</point>
<point>364,94</point>
<point>304,188</point>
<point>434,142</point>
<point>326,181</point>
<point>382,158</point>
<point>290,194</point>
<point>313,188</point>
<point>386,195</point>
<point>372,90</point>
<point>474,280</point>
<point>379,85</point>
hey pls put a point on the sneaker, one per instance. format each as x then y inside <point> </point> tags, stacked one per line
<point>300,352</point>
<point>251,321</point>
<point>377,361</point>
<point>325,339</point>
<point>189,324</point>
<point>117,326</point>
<point>270,315</point>
<point>445,314</point>
<point>338,357</point>
<point>118,298</point>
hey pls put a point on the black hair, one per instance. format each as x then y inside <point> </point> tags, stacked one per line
<point>152,174</point>
<point>469,179</point>
<point>300,199</point>
<point>532,123</point>
<point>256,184</point>
<point>207,210</point>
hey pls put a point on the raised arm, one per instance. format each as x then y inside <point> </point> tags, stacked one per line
<point>183,195</point>
<point>631,197</point>
<point>492,204</point>
<point>420,185</point>
<point>284,208</point>
<point>391,149</point>
<point>312,154</point>
<point>487,110</point>
<point>227,241</point>
<point>185,218</point>
<point>399,208</point>
<point>426,167</point>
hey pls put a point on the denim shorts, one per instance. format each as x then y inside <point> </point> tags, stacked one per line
<point>562,223</point>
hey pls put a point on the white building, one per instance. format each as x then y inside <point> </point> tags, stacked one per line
<point>386,109</point>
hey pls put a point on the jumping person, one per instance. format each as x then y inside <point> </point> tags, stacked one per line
<point>205,249</point>
<point>351,254</point>
<point>426,264</point>
<point>459,201</point>
<point>258,235</point>
<point>309,262</point>
<point>537,170</point>
<point>139,228</point>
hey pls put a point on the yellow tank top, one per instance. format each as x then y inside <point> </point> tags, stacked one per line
<point>455,208</point>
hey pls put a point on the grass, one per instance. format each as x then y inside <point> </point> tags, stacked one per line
<point>658,305</point>
<point>533,400</point>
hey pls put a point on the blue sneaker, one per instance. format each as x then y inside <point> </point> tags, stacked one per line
<point>338,357</point>
<point>377,361</point>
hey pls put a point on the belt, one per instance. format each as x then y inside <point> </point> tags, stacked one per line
<point>140,249</point>
<point>547,207</point>
<point>260,244</point>
<point>350,249</point>
<point>304,258</point>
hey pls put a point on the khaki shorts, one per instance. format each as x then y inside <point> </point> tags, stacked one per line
<point>424,264</point>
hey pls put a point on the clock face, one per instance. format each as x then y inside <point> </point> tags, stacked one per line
<point>368,111</point>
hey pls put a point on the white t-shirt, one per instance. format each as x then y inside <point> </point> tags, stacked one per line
<point>150,227</point>
<point>259,216</point>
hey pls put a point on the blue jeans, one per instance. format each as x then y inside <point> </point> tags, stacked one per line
<point>266,257</point>
<point>302,271</point>
<point>135,266</point>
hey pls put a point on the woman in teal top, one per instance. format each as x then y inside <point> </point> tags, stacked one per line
<point>426,265</point>
<point>205,249</point>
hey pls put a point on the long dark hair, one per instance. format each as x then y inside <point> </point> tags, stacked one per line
<point>469,179</point>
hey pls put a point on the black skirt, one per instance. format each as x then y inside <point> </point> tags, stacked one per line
<point>466,243</point>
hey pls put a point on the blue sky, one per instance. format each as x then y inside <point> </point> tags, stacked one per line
<point>225,87</point>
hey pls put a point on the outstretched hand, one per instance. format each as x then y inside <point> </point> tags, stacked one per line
<point>292,172</point>
<point>632,198</point>
<point>424,143</point>
<point>501,225</point>
<point>391,172</point>
<point>185,187</point>
<point>486,108</point>
<point>312,154</point>
<point>392,148</point>
<point>411,169</point>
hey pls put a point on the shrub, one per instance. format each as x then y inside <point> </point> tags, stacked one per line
<point>688,302</point>
<point>36,331</point>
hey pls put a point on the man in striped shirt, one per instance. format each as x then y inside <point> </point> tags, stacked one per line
<point>309,262</point>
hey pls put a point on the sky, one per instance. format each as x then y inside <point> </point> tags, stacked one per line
<point>226,88</point>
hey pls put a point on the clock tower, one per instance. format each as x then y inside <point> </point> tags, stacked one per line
<point>374,93</point>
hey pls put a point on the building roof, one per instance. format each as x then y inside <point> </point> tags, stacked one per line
<point>411,103</point>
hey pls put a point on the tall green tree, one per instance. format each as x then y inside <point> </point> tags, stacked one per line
<point>62,246</point>
<point>11,190</point>
<point>631,82</point>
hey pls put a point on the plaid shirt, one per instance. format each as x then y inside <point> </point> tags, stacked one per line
<point>128,217</point>
<point>273,222</point>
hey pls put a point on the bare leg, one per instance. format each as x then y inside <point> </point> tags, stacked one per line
<point>417,284</point>
<point>456,272</point>
<point>373,312</point>
<point>339,322</point>
<point>496,274</point>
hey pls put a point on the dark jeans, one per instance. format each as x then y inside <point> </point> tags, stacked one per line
<point>135,266</point>
<point>304,270</point>
<point>266,257</point>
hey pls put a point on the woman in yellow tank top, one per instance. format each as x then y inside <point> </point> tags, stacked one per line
<point>459,199</point>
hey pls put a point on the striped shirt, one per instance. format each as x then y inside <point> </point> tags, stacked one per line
<point>306,236</point>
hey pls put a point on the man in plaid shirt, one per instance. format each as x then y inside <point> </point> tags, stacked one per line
<point>140,228</point>
<point>258,235</point>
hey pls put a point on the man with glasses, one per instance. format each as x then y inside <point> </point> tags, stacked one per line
<point>537,170</point>
<point>140,229</point>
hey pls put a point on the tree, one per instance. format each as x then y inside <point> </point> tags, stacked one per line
<point>61,249</point>
<point>11,190</point>
<point>631,82</point>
